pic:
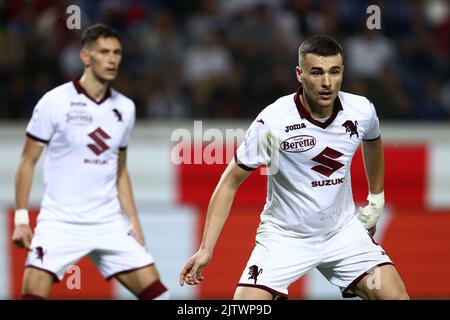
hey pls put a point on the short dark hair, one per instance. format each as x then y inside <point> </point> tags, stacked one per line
<point>99,30</point>
<point>320,45</point>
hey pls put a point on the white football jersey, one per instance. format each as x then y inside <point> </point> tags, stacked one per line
<point>308,162</point>
<point>83,139</point>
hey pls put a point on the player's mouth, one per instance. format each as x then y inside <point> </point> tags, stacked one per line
<point>111,70</point>
<point>326,95</point>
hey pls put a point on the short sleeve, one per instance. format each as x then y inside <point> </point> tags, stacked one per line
<point>130,125</point>
<point>373,130</point>
<point>254,150</point>
<point>43,121</point>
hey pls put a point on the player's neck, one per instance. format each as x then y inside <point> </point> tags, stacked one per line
<point>93,86</point>
<point>316,111</point>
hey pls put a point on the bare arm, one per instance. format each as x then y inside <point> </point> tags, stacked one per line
<point>218,211</point>
<point>220,204</point>
<point>373,157</point>
<point>24,177</point>
<point>25,172</point>
<point>126,196</point>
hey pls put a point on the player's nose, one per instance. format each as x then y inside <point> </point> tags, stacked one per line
<point>326,81</point>
<point>112,59</point>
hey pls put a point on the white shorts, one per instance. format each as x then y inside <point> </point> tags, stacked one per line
<point>343,258</point>
<point>58,245</point>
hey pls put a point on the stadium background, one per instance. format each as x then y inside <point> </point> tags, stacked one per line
<point>221,62</point>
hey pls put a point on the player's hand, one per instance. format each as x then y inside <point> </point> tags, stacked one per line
<point>22,236</point>
<point>192,271</point>
<point>370,214</point>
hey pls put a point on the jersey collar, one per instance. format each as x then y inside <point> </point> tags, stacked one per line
<point>80,90</point>
<point>337,106</point>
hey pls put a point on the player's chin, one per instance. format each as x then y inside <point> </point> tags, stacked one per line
<point>109,76</point>
<point>325,103</point>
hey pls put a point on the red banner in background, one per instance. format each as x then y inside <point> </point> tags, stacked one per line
<point>418,242</point>
<point>405,175</point>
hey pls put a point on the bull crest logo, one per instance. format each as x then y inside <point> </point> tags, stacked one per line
<point>351,127</point>
<point>254,272</point>
<point>118,115</point>
<point>40,254</point>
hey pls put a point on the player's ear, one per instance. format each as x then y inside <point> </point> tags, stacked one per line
<point>85,57</point>
<point>299,74</point>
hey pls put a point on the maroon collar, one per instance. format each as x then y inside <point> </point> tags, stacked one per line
<point>81,90</point>
<point>337,106</point>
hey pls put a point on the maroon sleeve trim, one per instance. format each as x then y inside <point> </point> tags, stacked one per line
<point>243,166</point>
<point>29,135</point>
<point>372,139</point>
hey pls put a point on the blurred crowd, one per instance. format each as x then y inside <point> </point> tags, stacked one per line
<point>230,58</point>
